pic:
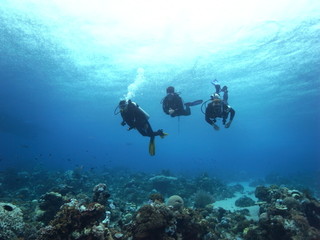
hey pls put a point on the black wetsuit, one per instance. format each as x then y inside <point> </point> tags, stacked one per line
<point>174,101</point>
<point>220,110</point>
<point>135,117</point>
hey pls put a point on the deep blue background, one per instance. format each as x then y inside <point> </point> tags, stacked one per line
<point>57,100</point>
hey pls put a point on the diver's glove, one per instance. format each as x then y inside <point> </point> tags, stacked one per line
<point>123,123</point>
<point>228,124</point>
<point>215,126</point>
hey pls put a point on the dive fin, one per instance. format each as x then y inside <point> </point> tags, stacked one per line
<point>152,147</point>
<point>190,104</point>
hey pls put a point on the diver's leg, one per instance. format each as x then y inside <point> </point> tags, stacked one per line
<point>216,85</point>
<point>142,131</point>
<point>225,97</point>
<point>225,94</point>
<point>146,130</point>
<point>218,88</point>
<point>187,111</point>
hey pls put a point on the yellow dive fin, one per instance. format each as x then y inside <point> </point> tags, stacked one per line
<point>152,147</point>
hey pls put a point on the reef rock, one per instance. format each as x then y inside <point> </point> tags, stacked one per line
<point>76,221</point>
<point>285,214</point>
<point>100,193</point>
<point>162,183</point>
<point>11,221</point>
<point>49,204</point>
<point>244,201</point>
<point>151,221</point>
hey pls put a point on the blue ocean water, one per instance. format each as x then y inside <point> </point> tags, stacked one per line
<point>65,66</point>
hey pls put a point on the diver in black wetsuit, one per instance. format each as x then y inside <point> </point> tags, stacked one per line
<point>137,118</point>
<point>218,109</point>
<point>172,104</point>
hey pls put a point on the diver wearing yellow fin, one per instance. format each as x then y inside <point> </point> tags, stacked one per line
<point>137,118</point>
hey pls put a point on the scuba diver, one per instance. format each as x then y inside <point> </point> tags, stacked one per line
<point>172,104</point>
<point>137,118</point>
<point>218,109</point>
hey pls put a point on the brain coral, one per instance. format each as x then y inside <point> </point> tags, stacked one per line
<point>176,202</point>
<point>11,221</point>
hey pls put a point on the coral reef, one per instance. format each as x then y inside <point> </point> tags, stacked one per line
<point>151,221</point>
<point>156,197</point>
<point>202,199</point>
<point>158,221</point>
<point>78,205</point>
<point>49,204</point>
<point>285,214</point>
<point>11,222</point>
<point>244,201</point>
<point>175,202</point>
<point>100,193</point>
<point>163,184</point>
<point>76,221</point>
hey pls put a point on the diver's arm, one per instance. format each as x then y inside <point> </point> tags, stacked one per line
<point>129,117</point>
<point>135,117</point>
<point>232,113</point>
<point>165,106</point>
<point>123,123</point>
<point>208,120</point>
<point>211,122</point>
<point>179,103</point>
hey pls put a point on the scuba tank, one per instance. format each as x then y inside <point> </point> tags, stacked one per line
<point>140,109</point>
<point>144,112</point>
